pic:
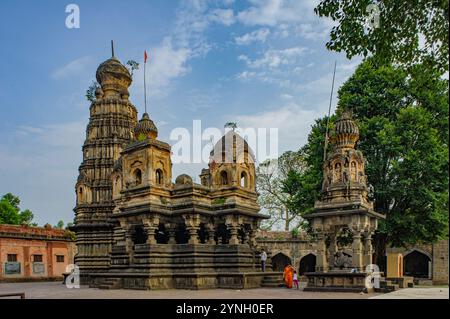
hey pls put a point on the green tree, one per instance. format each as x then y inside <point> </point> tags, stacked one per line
<point>10,212</point>
<point>90,92</point>
<point>60,225</point>
<point>390,30</point>
<point>132,66</point>
<point>403,120</point>
<point>26,217</point>
<point>277,183</point>
<point>12,199</point>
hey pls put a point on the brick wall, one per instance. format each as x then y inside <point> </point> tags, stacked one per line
<point>26,243</point>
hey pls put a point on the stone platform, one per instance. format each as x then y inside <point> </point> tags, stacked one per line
<point>336,281</point>
<point>193,281</point>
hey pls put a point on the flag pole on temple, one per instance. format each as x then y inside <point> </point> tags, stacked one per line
<point>329,114</point>
<point>145,85</point>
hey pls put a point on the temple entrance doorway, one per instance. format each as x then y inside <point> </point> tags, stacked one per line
<point>416,264</point>
<point>307,264</point>
<point>279,261</point>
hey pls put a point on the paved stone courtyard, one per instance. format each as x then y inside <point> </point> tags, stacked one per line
<point>56,290</point>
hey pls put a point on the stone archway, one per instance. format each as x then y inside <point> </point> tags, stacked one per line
<point>307,264</point>
<point>279,261</point>
<point>416,264</point>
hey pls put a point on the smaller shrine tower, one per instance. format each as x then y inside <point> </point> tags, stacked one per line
<point>344,206</point>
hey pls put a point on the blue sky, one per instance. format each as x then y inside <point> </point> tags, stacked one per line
<point>261,63</point>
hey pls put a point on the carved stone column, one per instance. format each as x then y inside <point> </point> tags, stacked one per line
<point>332,249</point>
<point>357,258</point>
<point>150,227</point>
<point>252,234</point>
<point>171,230</point>
<point>192,222</point>
<point>321,261</point>
<point>119,236</point>
<point>129,240</point>
<point>368,248</point>
<point>246,237</point>
<point>151,231</point>
<point>234,240</point>
<point>211,233</point>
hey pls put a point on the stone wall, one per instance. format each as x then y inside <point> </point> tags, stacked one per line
<point>281,242</point>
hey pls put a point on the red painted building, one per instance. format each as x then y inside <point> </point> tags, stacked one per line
<point>34,253</point>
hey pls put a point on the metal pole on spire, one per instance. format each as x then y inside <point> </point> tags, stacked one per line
<point>329,113</point>
<point>112,48</point>
<point>145,84</point>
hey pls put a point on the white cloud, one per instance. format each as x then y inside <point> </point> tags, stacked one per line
<point>292,120</point>
<point>257,35</point>
<point>273,12</point>
<point>274,58</point>
<point>245,75</point>
<point>222,16</point>
<point>313,31</point>
<point>73,68</point>
<point>165,64</point>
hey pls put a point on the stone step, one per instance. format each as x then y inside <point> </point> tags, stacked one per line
<point>104,287</point>
<point>271,285</point>
<point>271,279</point>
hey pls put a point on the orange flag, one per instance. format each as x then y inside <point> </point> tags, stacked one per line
<point>145,56</point>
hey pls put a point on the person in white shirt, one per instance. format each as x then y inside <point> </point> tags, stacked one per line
<point>263,260</point>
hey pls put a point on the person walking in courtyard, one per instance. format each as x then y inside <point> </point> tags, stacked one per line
<point>263,260</point>
<point>288,275</point>
<point>295,279</point>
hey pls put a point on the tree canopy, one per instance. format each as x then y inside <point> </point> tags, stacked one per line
<point>10,212</point>
<point>278,183</point>
<point>405,32</point>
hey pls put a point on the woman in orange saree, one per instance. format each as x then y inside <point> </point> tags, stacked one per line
<point>287,275</point>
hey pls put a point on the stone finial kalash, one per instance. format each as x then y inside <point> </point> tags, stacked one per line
<point>183,234</point>
<point>343,207</point>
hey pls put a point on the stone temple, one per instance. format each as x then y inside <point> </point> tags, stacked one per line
<point>138,229</point>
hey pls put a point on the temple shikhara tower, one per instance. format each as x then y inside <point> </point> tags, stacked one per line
<point>110,128</point>
<point>343,212</point>
<point>137,228</point>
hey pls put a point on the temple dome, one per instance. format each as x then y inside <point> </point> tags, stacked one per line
<point>346,125</point>
<point>232,148</point>
<point>145,128</point>
<point>183,179</point>
<point>346,132</point>
<point>113,76</point>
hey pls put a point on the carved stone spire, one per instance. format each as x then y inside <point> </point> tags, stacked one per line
<point>344,176</point>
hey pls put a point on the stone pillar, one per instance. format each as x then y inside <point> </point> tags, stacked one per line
<point>129,240</point>
<point>252,238</point>
<point>151,226</point>
<point>234,240</point>
<point>368,249</point>
<point>332,249</point>
<point>192,226</point>
<point>246,239</point>
<point>321,261</point>
<point>151,231</point>
<point>119,236</point>
<point>211,232</point>
<point>357,258</point>
<point>129,244</point>
<point>171,230</point>
<point>193,235</point>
